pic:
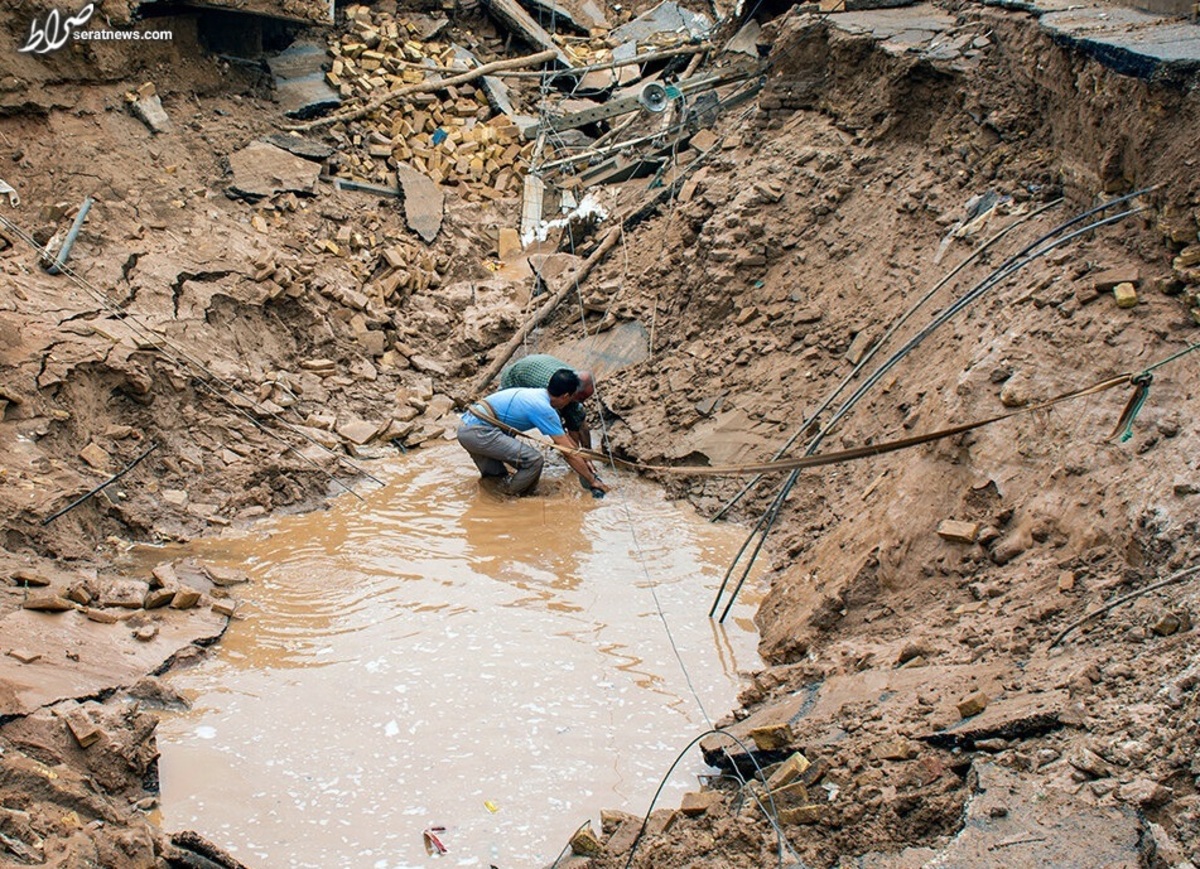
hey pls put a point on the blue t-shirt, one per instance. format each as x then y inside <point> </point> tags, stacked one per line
<point>523,409</point>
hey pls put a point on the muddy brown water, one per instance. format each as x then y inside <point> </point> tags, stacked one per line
<point>436,656</point>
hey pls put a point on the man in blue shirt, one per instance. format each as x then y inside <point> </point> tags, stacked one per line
<point>494,448</point>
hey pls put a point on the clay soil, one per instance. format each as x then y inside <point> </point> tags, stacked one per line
<point>808,231</point>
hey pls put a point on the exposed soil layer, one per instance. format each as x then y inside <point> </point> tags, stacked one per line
<point>858,180</point>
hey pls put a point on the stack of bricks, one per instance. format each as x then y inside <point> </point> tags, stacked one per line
<point>449,135</point>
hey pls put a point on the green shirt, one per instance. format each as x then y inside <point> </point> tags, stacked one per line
<point>534,371</point>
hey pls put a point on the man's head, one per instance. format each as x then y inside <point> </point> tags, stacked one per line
<point>564,383</point>
<point>587,385</point>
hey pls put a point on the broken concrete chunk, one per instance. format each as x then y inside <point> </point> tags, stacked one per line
<point>663,21</point>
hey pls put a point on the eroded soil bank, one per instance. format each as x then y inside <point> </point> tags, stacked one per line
<point>914,669</point>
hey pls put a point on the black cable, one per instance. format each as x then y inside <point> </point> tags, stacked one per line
<point>1031,252</point>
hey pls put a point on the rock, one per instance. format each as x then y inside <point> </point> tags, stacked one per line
<point>772,737</point>
<point>224,577</point>
<point>424,202</point>
<point>1126,295</point>
<point>789,771</point>
<point>801,814</point>
<point>261,170</point>
<point>1088,762</point>
<point>358,431</point>
<point>29,578</point>
<point>959,532</point>
<point>697,803</point>
<point>1015,392</point>
<point>48,602</point>
<point>25,657</point>
<point>1108,279</point>
<point>1167,624</point>
<point>509,245</point>
<point>95,456</point>
<point>149,110</point>
<point>972,704</point>
<point>185,598</point>
<point>899,748</point>
<point>585,842</point>
<point>80,725</point>
<point>1144,792</point>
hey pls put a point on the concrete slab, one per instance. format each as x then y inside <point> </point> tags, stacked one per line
<point>665,18</point>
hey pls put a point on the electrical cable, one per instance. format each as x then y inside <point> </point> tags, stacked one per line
<point>1030,253</point>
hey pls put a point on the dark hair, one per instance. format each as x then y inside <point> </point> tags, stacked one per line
<point>564,381</point>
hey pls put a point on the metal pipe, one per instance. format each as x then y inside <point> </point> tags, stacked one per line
<point>63,252</point>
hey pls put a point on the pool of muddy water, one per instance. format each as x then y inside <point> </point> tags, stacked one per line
<point>435,656</point>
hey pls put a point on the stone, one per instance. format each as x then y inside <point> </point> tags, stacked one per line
<point>224,607</point>
<point>225,576</point>
<point>586,843</point>
<point>185,598</point>
<point>124,594</point>
<point>81,726</point>
<point>697,803</point>
<point>957,531</point>
<point>895,749</point>
<point>801,814</point>
<point>261,170</point>
<point>95,456</point>
<point>25,657</point>
<point>1166,625</point>
<point>1144,792</point>
<point>48,602</point>
<point>1126,295</point>
<point>772,737</point>
<point>661,821</point>
<point>358,431</point>
<point>424,202</point>
<point>972,704</point>
<point>156,598</point>
<point>29,578</point>
<point>788,771</point>
<point>1108,279</point>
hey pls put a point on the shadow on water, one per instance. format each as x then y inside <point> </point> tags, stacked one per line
<point>437,652</point>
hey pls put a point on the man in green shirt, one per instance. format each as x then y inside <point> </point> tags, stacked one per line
<point>534,372</point>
